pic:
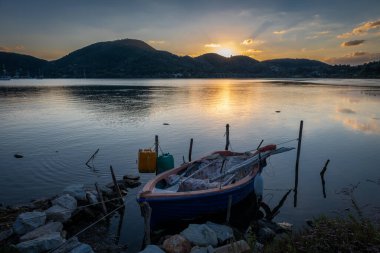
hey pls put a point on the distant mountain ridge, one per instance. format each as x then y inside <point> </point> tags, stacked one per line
<point>130,58</point>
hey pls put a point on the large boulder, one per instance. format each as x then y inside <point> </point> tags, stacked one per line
<point>43,230</point>
<point>152,249</point>
<point>82,248</point>
<point>200,234</point>
<point>197,249</point>
<point>28,221</point>
<point>236,247</point>
<point>69,245</point>
<point>66,201</point>
<point>92,197</point>
<point>58,213</point>
<point>41,244</point>
<point>223,232</point>
<point>76,190</point>
<point>176,244</point>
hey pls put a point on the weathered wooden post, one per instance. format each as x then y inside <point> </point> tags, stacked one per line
<point>227,136</point>
<point>101,198</point>
<point>322,173</point>
<point>190,149</point>
<point>156,145</point>
<point>146,211</point>
<point>116,186</point>
<point>297,163</point>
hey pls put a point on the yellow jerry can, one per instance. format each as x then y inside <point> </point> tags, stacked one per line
<point>147,161</point>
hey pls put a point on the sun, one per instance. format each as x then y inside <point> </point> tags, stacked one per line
<point>226,52</point>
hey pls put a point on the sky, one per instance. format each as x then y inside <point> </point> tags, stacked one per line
<point>336,32</point>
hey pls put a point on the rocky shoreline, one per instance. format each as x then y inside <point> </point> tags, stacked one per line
<point>68,222</point>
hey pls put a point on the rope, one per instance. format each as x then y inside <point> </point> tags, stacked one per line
<point>287,141</point>
<point>89,226</point>
<point>70,210</point>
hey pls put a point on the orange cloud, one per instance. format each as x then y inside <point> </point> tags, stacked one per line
<point>157,42</point>
<point>247,42</point>
<point>361,29</point>
<point>213,45</point>
<point>352,43</point>
<point>256,51</point>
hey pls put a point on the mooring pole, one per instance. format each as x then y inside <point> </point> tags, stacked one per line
<point>156,144</point>
<point>101,198</point>
<point>297,163</point>
<point>227,136</point>
<point>322,173</point>
<point>190,149</point>
<point>116,186</point>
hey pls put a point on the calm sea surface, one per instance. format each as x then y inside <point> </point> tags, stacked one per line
<point>58,124</point>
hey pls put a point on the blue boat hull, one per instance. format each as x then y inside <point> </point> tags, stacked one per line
<point>176,208</point>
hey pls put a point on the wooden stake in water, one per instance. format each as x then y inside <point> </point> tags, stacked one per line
<point>297,163</point>
<point>101,198</point>
<point>156,144</point>
<point>146,211</point>
<point>190,149</point>
<point>116,186</point>
<point>227,136</point>
<point>322,173</point>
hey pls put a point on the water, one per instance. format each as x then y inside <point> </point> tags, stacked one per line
<point>58,124</point>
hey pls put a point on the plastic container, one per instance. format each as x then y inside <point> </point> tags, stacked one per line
<point>165,162</point>
<point>147,161</point>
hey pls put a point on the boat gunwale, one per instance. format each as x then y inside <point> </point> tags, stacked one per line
<point>147,192</point>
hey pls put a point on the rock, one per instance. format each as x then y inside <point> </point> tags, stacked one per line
<point>43,230</point>
<point>287,227</point>
<point>17,155</point>
<point>265,234</point>
<point>236,247</point>
<point>92,197</point>
<point>58,213</point>
<point>66,201</point>
<point>76,190</point>
<point>223,232</point>
<point>131,177</point>
<point>176,244</point>
<point>131,183</point>
<point>26,222</point>
<point>82,248</point>
<point>258,247</point>
<point>41,244</point>
<point>6,234</point>
<point>152,249</point>
<point>69,245</point>
<point>104,189</point>
<point>197,249</point>
<point>200,234</point>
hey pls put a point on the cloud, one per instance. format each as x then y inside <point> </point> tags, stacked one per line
<point>360,53</point>
<point>317,35</point>
<point>16,48</point>
<point>4,49</point>
<point>352,43</point>
<point>247,42</point>
<point>159,42</point>
<point>346,110</point>
<point>280,32</point>
<point>213,45</point>
<point>355,58</point>
<point>254,51</point>
<point>361,29</point>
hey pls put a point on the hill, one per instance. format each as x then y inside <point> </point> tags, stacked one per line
<point>129,58</point>
<point>20,65</point>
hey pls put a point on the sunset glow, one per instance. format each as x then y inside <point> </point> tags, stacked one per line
<point>262,30</point>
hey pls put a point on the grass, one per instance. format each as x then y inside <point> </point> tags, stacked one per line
<point>331,235</point>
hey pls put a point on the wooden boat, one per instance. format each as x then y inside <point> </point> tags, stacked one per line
<point>204,186</point>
